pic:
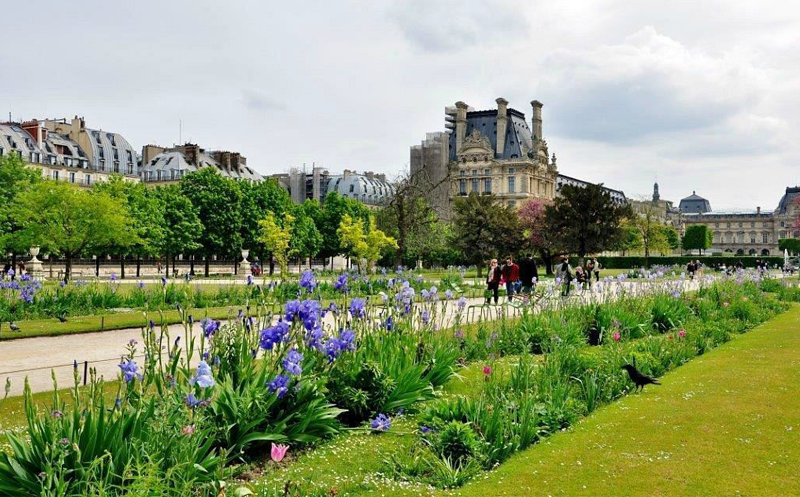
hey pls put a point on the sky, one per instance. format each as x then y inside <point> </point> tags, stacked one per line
<point>699,95</point>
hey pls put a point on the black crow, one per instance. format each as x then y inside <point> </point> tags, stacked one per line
<point>13,326</point>
<point>638,378</point>
<point>62,318</point>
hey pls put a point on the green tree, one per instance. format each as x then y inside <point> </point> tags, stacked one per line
<point>334,208</point>
<point>651,233</point>
<point>257,199</point>
<point>146,214</point>
<point>64,219</point>
<point>415,226</point>
<point>276,235</point>
<point>673,238</point>
<point>697,237</point>
<point>484,227</point>
<point>218,203</point>
<point>586,219</point>
<point>182,226</point>
<point>790,244</point>
<point>15,177</point>
<point>629,240</point>
<point>306,239</point>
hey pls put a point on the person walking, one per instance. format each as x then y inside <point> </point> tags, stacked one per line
<point>589,272</point>
<point>528,273</point>
<point>565,274</point>
<point>511,275</point>
<point>597,268</point>
<point>493,281</point>
<point>690,268</point>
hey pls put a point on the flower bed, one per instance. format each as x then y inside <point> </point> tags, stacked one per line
<point>223,394</point>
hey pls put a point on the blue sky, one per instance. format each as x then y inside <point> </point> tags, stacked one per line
<point>700,95</point>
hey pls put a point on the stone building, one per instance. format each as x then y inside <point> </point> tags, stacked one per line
<point>748,232</point>
<point>64,151</point>
<point>107,152</point>
<point>663,211</point>
<point>168,165</point>
<point>489,152</point>
<point>370,188</point>
<point>617,196</point>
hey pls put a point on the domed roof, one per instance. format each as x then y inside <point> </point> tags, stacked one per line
<point>371,191</point>
<point>694,204</point>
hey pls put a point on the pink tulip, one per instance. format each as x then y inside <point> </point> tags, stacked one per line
<point>487,370</point>
<point>278,452</point>
<point>682,333</point>
<point>617,336</point>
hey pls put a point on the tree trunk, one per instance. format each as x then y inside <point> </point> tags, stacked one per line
<point>122,267</point>
<point>207,265</point>
<point>271,264</point>
<point>191,264</point>
<point>14,264</point>
<point>96,266</point>
<point>68,267</point>
<point>138,265</point>
<point>235,267</point>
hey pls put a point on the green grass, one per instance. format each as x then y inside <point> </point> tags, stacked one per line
<point>726,423</point>
<point>103,322</point>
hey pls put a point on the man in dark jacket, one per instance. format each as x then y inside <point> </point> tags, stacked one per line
<point>528,273</point>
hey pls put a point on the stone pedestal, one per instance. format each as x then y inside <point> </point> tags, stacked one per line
<point>244,265</point>
<point>35,267</point>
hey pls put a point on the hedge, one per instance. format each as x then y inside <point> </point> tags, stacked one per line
<point>629,262</point>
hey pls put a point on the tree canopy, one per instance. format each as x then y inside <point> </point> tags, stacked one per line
<point>586,220</point>
<point>485,228</point>
<point>65,219</point>
<point>697,237</point>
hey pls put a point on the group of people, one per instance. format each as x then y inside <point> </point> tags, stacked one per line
<point>581,275</point>
<point>521,278</point>
<point>518,278</point>
<point>694,268</point>
<point>11,275</point>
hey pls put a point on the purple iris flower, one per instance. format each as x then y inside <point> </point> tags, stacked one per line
<point>292,362</point>
<point>130,371</point>
<point>381,423</point>
<point>357,308</point>
<point>307,281</point>
<point>279,385</point>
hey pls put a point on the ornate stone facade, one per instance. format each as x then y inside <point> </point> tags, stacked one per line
<point>751,232</point>
<point>486,152</point>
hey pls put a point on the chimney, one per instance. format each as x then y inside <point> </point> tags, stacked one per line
<point>502,123</point>
<point>34,129</point>
<point>370,175</point>
<point>191,152</point>
<point>461,124</point>
<point>537,119</point>
<point>758,210</point>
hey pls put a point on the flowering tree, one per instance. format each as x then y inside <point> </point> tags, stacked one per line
<point>276,237</point>
<point>536,233</point>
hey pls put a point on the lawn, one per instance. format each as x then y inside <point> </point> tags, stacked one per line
<point>101,322</point>
<point>673,439</point>
<point>726,423</point>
